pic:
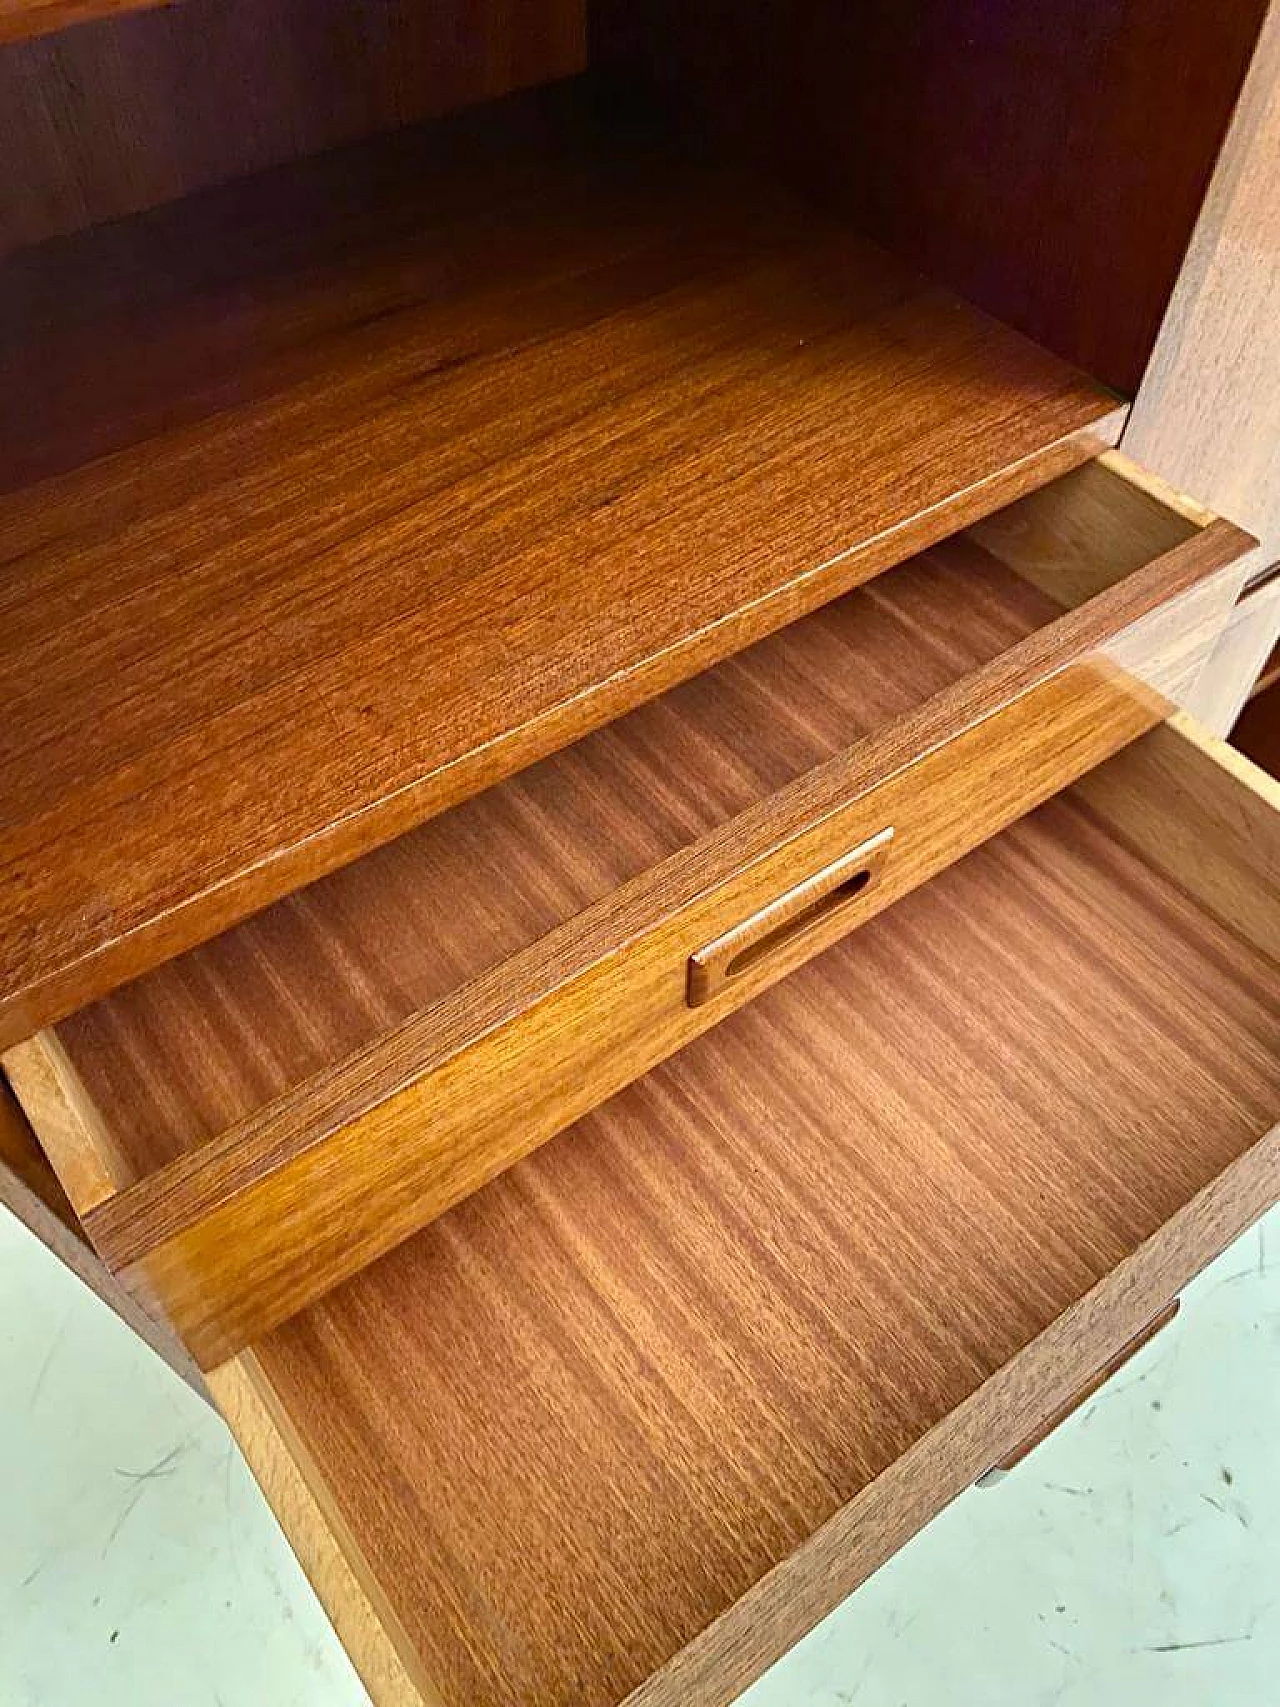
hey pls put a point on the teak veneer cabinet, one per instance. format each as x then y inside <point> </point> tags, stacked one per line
<point>625,924</point>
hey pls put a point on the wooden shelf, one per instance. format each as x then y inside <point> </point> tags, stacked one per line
<point>413,465</point>
<point>578,1420</point>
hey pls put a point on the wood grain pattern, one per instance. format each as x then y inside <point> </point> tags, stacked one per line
<point>1030,1177</point>
<point>327,972</point>
<point>1127,1352</point>
<point>664,1355</point>
<point>1080,535</point>
<point>1047,162</point>
<point>370,945</point>
<point>304,1193</point>
<point>1208,410</point>
<point>513,505</point>
<point>79,1142</point>
<point>23,1160</point>
<point>760,1627</point>
<point>1204,815</point>
<point>131,112</point>
<point>819,907</point>
<point>362,1618</point>
<point>31,1191</point>
<point>404,1119</point>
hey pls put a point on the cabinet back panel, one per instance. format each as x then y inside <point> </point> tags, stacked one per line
<point>112,117</point>
<point>1047,162</point>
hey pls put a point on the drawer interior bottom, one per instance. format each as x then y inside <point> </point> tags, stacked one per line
<point>569,1428</point>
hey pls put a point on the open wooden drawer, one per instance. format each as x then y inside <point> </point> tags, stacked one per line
<point>623,1424</point>
<point>254,1122</point>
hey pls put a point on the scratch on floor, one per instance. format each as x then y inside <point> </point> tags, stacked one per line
<point>162,1467</point>
<point>124,1516</point>
<point>1207,1642</point>
<point>49,1356</point>
<point>141,1479</point>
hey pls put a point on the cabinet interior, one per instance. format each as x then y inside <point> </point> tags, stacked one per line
<point>369,354</point>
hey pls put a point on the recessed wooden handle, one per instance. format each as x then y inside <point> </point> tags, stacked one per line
<point>815,911</point>
<point>1130,1349</point>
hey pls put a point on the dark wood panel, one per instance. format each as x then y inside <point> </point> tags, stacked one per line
<point>131,111</point>
<point>583,1415</point>
<point>510,470</point>
<point>1257,732</point>
<point>1047,162</point>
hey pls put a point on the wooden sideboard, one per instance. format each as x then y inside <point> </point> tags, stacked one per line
<point>625,925</point>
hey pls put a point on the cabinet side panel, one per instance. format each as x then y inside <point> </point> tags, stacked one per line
<point>1208,413</point>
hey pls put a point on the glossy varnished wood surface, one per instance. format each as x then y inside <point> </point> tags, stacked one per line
<point>572,1423</point>
<point>174,1058</point>
<point>538,457</point>
<point>232,1239</point>
<point>131,112</point>
<point>306,983</point>
<point>435,1059</point>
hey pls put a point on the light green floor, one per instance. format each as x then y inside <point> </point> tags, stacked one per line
<point>1135,1559</point>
